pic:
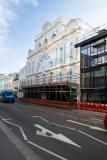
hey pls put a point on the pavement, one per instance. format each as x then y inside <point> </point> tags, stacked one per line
<point>45,133</point>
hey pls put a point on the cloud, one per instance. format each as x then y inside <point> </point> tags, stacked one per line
<point>7,17</point>
<point>18,2</point>
<point>33,2</point>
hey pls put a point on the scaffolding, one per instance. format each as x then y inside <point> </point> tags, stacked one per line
<point>63,87</point>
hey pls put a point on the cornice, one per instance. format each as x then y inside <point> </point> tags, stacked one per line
<point>56,41</point>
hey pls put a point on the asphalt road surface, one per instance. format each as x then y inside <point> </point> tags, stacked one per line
<point>56,134</point>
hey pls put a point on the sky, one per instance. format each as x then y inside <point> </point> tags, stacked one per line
<point>21,21</point>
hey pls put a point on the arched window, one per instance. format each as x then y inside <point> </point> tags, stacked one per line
<point>51,76</point>
<point>33,66</point>
<point>43,78</point>
<point>70,74</point>
<point>60,76</point>
<point>37,78</point>
<point>45,41</point>
<point>39,45</point>
<point>61,54</point>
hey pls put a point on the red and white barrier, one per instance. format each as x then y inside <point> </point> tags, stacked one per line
<point>66,105</point>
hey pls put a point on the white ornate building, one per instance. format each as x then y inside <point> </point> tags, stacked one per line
<point>54,60</point>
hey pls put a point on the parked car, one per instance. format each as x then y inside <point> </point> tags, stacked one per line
<point>105,121</point>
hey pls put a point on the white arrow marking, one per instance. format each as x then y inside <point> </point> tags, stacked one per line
<point>47,133</point>
<point>34,144</point>
<point>86,125</point>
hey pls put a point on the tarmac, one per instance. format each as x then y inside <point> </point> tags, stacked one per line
<point>12,148</point>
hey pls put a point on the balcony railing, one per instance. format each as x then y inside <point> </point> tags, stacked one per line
<point>96,31</point>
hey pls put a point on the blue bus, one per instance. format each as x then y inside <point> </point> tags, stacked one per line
<point>7,96</point>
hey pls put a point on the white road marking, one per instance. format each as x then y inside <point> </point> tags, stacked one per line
<point>86,125</point>
<point>90,115</point>
<point>63,126</point>
<point>81,119</point>
<point>97,119</point>
<point>47,133</point>
<point>27,153</point>
<point>48,151</point>
<point>2,117</point>
<point>8,119</point>
<point>68,116</point>
<point>98,128</point>
<point>54,123</point>
<point>41,118</point>
<point>20,128</point>
<point>54,154</point>
<point>79,123</point>
<point>25,138</point>
<point>93,137</point>
<point>94,122</point>
<point>90,121</point>
<point>61,114</point>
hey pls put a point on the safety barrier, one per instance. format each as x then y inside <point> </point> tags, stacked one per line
<point>91,106</point>
<point>66,105</point>
<point>50,103</point>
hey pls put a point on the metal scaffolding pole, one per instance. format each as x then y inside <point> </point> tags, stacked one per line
<point>70,87</point>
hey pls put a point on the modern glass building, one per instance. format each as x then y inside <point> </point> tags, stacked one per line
<point>93,67</point>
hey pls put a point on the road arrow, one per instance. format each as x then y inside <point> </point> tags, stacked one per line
<point>47,133</point>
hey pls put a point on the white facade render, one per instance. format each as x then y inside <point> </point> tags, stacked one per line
<point>2,81</point>
<point>22,74</point>
<point>54,56</point>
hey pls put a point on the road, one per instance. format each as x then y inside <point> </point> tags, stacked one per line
<point>56,134</point>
